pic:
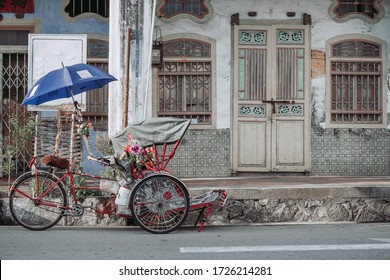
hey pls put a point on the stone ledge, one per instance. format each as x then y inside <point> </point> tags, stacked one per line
<point>300,192</point>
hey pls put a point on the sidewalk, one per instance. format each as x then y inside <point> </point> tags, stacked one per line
<point>250,187</point>
<point>298,187</point>
<point>259,187</point>
<point>302,199</point>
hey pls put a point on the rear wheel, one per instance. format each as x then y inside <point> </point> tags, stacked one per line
<point>32,211</point>
<point>160,203</point>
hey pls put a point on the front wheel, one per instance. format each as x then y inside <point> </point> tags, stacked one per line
<point>160,203</point>
<point>37,201</point>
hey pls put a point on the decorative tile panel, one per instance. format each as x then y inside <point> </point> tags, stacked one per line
<point>290,109</point>
<point>253,37</point>
<point>252,111</point>
<point>290,37</point>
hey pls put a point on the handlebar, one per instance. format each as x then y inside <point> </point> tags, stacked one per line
<point>102,161</point>
<point>108,161</point>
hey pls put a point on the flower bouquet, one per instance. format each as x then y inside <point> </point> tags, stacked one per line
<point>83,129</point>
<point>137,156</point>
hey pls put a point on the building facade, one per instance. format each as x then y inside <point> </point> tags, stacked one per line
<point>281,87</point>
<point>18,19</point>
<point>274,86</point>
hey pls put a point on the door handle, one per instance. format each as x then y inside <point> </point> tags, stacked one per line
<point>273,102</point>
<point>284,101</point>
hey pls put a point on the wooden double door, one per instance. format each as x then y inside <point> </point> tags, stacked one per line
<point>271,101</point>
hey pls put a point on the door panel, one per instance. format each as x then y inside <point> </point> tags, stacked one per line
<point>271,118</point>
<point>289,145</point>
<point>252,147</point>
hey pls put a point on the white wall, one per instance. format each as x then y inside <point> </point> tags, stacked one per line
<point>219,28</point>
<point>116,68</point>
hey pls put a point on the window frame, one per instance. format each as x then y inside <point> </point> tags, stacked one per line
<point>85,15</point>
<point>213,91</point>
<point>90,116</point>
<point>330,59</point>
<point>355,15</point>
<point>178,16</point>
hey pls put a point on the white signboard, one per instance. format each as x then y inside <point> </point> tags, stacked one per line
<point>47,52</point>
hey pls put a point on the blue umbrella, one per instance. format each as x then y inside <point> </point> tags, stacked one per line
<point>66,82</point>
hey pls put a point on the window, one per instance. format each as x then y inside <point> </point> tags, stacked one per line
<point>185,81</point>
<point>76,8</point>
<point>197,10</point>
<point>367,10</point>
<point>356,69</point>
<point>97,99</point>
<point>14,37</point>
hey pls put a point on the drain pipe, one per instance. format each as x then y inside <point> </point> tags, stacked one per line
<point>127,79</point>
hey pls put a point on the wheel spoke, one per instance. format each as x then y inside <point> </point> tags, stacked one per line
<point>30,209</point>
<point>160,203</point>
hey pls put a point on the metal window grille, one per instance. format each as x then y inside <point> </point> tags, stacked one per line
<point>13,86</point>
<point>97,100</point>
<point>356,84</point>
<point>184,88</point>
<point>185,91</point>
<point>365,7</point>
<point>78,7</point>
<point>171,8</point>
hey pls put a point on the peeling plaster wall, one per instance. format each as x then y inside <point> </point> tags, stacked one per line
<point>323,28</point>
<point>51,20</point>
<point>135,16</point>
<point>362,155</point>
<point>318,101</point>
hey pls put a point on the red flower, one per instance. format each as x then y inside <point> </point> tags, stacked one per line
<point>127,149</point>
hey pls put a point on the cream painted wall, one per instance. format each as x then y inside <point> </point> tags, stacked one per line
<point>219,28</point>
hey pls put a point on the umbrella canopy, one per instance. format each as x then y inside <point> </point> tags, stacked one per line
<point>66,82</point>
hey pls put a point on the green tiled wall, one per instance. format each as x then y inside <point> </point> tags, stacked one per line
<point>350,152</point>
<point>335,152</point>
<point>203,153</point>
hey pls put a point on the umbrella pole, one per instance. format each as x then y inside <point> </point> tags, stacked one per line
<point>58,135</point>
<point>72,137</point>
<point>36,135</point>
<point>78,110</point>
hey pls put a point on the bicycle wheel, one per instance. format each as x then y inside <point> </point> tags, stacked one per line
<point>160,203</point>
<point>32,211</point>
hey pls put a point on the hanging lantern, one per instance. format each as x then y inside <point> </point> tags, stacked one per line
<point>157,48</point>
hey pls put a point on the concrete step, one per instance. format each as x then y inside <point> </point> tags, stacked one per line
<point>302,187</point>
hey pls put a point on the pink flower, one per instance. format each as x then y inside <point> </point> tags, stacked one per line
<point>130,138</point>
<point>135,149</point>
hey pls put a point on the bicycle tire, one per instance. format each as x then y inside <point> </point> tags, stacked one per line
<point>160,203</point>
<point>29,212</point>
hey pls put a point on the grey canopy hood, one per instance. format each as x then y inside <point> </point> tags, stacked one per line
<point>151,131</point>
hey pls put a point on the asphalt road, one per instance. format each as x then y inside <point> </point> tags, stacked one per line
<point>341,241</point>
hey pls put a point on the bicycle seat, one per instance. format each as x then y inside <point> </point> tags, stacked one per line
<point>54,161</point>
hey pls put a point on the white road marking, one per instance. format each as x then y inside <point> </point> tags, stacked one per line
<point>284,248</point>
<point>381,239</point>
